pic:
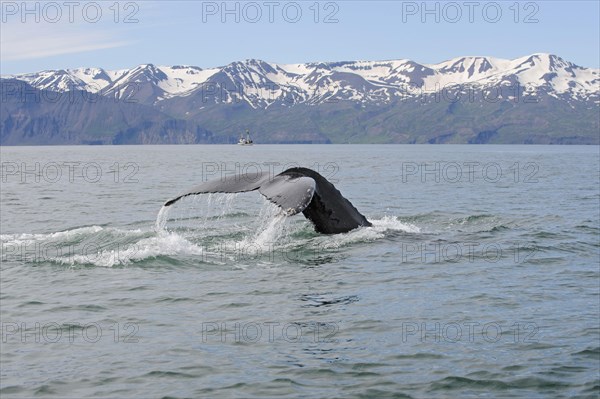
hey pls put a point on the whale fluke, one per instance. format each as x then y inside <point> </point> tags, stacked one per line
<point>295,190</point>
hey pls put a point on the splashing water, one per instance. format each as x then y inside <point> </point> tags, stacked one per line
<point>249,227</point>
<point>377,231</point>
<point>393,223</point>
<point>227,203</point>
<point>161,219</point>
<point>272,229</point>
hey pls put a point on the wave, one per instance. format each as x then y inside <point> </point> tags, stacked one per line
<point>24,238</point>
<point>210,241</point>
<point>438,222</point>
<point>94,245</point>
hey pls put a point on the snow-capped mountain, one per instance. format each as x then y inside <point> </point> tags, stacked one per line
<point>540,98</point>
<point>262,84</point>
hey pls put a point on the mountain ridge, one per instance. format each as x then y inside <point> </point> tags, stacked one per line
<point>374,101</point>
<point>184,79</point>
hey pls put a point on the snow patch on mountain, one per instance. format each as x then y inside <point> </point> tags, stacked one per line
<point>262,84</point>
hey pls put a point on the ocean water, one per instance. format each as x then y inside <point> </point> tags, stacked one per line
<point>479,277</point>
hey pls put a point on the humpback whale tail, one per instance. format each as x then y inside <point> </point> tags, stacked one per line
<point>294,190</point>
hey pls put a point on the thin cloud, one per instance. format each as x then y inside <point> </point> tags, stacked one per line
<point>26,42</point>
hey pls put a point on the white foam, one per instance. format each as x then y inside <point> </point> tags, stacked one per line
<point>393,223</point>
<point>164,243</point>
<point>107,247</point>
<point>25,238</point>
<point>98,246</point>
<point>365,234</point>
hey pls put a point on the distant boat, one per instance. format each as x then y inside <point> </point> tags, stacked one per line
<point>245,140</point>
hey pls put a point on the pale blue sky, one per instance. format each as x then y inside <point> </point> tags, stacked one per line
<point>204,34</point>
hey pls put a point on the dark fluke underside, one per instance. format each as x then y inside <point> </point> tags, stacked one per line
<point>294,190</point>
